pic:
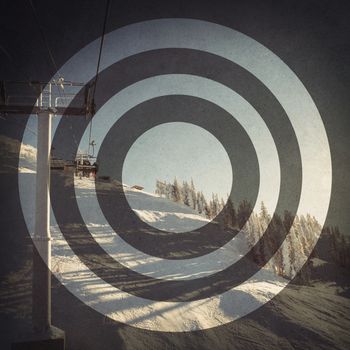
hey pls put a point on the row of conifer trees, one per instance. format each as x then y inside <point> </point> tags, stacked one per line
<point>298,232</point>
<point>186,193</point>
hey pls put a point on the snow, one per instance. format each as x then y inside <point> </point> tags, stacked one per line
<point>9,154</point>
<point>172,214</point>
<point>296,307</point>
<point>155,217</point>
<point>316,309</point>
<point>161,316</point>
<point>25,170</point>
<point>140,312</point>
<point>157,211</point>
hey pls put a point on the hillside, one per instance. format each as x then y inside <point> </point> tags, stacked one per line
<point>313,316</point>
<point>163,213</point>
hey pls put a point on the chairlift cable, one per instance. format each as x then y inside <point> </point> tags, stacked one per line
<point>50,54</point>
<point>43,36</point>
<point>98,67</point>
<point>60,90</point>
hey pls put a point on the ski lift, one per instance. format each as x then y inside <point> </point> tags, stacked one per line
<point>85,163</point>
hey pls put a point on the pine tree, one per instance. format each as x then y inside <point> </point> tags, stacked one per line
<point>199,202</point>
<point>161,188</point>
<point>214,205</point>
<point>168,191</point>
<point>230,214</point>
<point>185,194</point>
<point>244,211</point>
<point>206,207</point>
<point>175,194</point>
<point>157,191</point>
<point>277,225</point>
<point>222,204</point>
<point>288,220</point>
<point>292,253</point>
<point>264,216</point>
<point>193,196</point>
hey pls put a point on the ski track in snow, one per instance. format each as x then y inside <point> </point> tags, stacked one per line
<point>141,312</point>
<point>175,215</point>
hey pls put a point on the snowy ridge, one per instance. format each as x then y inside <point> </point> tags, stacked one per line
<point>162,213</point>
<point>175,217</point>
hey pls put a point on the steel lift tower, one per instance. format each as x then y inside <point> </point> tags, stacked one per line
<point>47,105</point>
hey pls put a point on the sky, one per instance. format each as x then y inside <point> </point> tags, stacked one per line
<point>180,150</point>
<point>248,54</point>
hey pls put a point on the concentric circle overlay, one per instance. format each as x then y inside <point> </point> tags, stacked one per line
<point>315,158</point>
<point>181,151</point>
<point>245,114</point>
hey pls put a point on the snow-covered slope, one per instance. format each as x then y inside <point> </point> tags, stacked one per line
<point>9,153</point>
<point>138,311</point>
<point>162,213</point>
<point>174,217</point>
<point>159,212</point>
<point>298,307</point>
